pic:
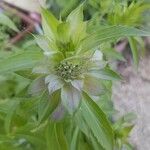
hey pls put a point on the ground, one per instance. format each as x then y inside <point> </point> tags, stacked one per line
<point>133,95</point>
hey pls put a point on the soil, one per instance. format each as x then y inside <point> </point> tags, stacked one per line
<point>133,95</point>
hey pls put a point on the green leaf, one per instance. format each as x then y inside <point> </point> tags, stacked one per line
<point>108,34</point>
<point>55,137</point>
<point>61,136</point>
<point>77,26</point>
<point>84,143</point>
<point>27,74</point>
<point>49,24</point>
<point>21,61</point>
<point>43,43</point>
<point>129,117</point>
<point>76,16</point>
<point>47,105</point>
<point>67,8</point>
<point>109,74</point>
<point>63,32</point>
<point>4,106</point>
<point>97,122</point>
<point>128,14</point>
<point>124,120</point>
<point>10,113</point>
<point>113,54</point>
<point>127,146</point>
<point>4,20</point>
<point>51,137</point>
<point>80,122</point>
<point>95,144</point>
<point>74,141</point>
<point>134,51</point>
<point>106,74</point>
<point>126,131</point>
<point>34,139</point>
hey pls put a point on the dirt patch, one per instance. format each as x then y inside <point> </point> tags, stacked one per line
<point>133,95</point>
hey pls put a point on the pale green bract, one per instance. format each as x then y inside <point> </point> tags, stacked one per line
<point>62,67</point>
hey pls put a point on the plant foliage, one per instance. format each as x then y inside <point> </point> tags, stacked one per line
<point>59,92</point>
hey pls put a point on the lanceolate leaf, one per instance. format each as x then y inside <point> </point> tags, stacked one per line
<point>61,136</point>
<point>106,74</point>
<point>42,42</point>
<point>34,139</point>
<point>109,74</point>
<point>10,114</point>
<point>55,137</point>
<point>49,24</point>
<point>113,54</point>
<point>4,20</point>
<point>74,141</point>
<point>67,8</point>
<point>76,16</point>
<point>95,144</point>
<point>80,122</point>
<point>128,147</point>
<point>63,32</point>
<point>47,105</point>
<point>109,33</point>
<point>97,122</point>
<point>51,137</point>
<point>21,61</point>
<point>134,50</point>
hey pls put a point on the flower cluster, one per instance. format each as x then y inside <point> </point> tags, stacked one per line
<point>64,69</point>
<point>69,71</point>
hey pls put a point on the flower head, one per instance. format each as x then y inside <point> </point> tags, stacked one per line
<point>72,77</point>
<point>64,67</point>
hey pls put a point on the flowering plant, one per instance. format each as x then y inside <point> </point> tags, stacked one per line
<point>65,67</point>
<point>66,104</point>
